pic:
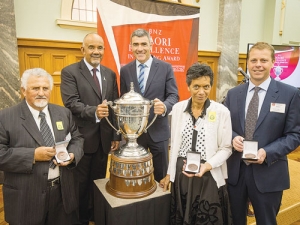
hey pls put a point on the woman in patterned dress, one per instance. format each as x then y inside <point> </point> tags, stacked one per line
<point>204,126</point>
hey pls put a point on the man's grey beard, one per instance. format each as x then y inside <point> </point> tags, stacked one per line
<point>41,104</point>
<point>95,63</point>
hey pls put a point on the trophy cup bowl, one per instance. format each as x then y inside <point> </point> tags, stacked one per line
<point>131,167</point>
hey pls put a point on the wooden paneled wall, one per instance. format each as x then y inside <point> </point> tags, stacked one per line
<point>55,55</point>
<point>49,55</point>
<point>243,65</point>
<point>211,59</point>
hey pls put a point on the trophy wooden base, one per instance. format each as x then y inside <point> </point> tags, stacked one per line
<point>131,177</point>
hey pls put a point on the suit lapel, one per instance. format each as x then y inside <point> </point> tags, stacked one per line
<point>241,101</point>
<point>133,74</point>
<point>152,73</point>
<point>104,78</point>
<point>271,96</point>
<point>88,76</point>
<point>55,118</point>
<point>29,124</point>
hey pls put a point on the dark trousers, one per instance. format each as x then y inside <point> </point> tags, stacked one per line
<point>266,205</point>
<point>159,151</point>
<point>54,210</point>
<point>91,167</point>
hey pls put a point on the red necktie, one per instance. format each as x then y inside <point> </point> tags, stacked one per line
<point>96,80</point>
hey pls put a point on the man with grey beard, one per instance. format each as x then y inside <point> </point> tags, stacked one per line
<point>34,192</point>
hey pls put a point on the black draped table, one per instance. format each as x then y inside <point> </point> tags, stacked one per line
<point>150,210</point>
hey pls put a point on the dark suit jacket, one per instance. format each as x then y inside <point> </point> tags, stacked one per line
<point>161,84</point>
<point>277,133</point>
<point>25,183</point>
<point>80,95</point>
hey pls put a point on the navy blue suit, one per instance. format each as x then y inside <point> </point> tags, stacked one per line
<point>278,134</point>
<point>161,84</point>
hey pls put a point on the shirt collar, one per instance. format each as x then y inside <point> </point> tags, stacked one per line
<point>189,107</point>
<point>147,63</point>
<point>264,85</point>
<point>35,113</point>
<point>91,67</point>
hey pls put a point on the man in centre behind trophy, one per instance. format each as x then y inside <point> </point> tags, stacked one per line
<point>154,80</point>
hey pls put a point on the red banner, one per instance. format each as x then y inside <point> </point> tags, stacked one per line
<point>174,35</point>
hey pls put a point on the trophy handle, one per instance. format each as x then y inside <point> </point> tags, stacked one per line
<point>145,131</point>
<point>111,105</point>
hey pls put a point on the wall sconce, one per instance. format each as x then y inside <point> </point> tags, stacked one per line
<point>283,6</point>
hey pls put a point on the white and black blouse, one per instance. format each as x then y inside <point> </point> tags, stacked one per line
<point>194,139</point>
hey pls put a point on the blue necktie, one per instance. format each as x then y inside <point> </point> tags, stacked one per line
<point>142,77</point>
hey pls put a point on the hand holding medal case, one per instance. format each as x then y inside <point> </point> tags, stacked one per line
<point>62,154</point>
<point>250,150</point>
<point>193,160</point>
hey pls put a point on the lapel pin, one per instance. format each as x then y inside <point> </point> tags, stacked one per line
<point>212,116</point>
<point>59,125</point>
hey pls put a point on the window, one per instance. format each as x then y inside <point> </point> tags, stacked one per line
<point>78,14</point>
<point>84,10</point>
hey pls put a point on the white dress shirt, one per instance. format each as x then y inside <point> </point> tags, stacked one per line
<point>53,173</point>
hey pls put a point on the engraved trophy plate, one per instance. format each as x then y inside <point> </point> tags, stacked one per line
<point>131,168</point>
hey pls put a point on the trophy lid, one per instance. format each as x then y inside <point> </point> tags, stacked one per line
<point>132,97</point>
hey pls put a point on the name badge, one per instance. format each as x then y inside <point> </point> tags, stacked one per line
<point>277,107</point>
<point>59,125</point>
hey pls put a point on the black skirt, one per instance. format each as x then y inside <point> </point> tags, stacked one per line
<point>198,200</point>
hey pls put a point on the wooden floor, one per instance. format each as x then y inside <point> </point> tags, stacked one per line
<point>2,222</point>
<point>295,156</point>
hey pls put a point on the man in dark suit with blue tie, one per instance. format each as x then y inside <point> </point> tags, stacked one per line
<point>33,192</point>
<point>85,86</point>
<point>276,131</point>
<point>155,80</point>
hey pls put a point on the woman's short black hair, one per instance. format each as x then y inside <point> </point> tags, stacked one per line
<point>199,70</point>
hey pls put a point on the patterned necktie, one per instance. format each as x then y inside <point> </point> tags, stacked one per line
<point>45,130</point>
<point>251,116</point>
<point>46,134</point>
<point>96,80</point>
<point>141,77</point>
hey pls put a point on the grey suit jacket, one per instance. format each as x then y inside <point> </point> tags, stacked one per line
<point>25,183</point>
<point>278,133</point>
<point>79,94</point>
<point>161,84</point>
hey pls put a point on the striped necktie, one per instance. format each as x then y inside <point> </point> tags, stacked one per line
<point>47,135</point>
<point>45,131</point>
<point>141,78</point>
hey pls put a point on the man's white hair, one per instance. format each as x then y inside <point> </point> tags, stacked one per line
<point>38,72</point>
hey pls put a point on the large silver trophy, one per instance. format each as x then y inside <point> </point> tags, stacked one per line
<point>131,167</point>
